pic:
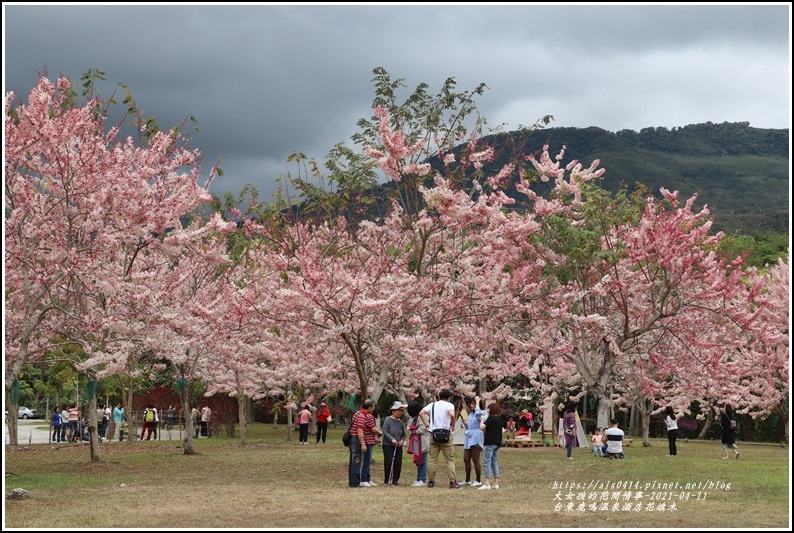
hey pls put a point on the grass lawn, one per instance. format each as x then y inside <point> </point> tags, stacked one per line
<point>275,483</point>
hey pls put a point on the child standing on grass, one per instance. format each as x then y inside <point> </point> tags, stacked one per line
<point>598,443</point>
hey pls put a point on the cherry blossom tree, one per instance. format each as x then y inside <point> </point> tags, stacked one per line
<point>90,212</point>
<point>642,276</point>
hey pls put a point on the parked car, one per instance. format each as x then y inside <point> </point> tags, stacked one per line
<point>26,413</point>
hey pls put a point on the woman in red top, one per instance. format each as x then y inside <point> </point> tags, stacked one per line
<point>323,419</point>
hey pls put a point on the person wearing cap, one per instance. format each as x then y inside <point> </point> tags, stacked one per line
<point>323,418</point>
<point>393,442</point>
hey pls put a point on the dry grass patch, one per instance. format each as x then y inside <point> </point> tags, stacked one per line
<point>272,483</point>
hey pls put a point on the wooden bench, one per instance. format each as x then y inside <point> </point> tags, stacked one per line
<point>524,444</point>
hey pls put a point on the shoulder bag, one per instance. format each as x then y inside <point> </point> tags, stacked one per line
<point>439,435</point>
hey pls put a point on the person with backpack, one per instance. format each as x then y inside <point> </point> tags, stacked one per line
<point>728,423</point>
<point>149,417</point>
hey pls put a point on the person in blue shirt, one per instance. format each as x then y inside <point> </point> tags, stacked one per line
<point>473,443</point>
<point>56,424</point>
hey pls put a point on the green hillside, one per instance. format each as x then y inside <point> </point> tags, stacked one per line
<point>741,173</point>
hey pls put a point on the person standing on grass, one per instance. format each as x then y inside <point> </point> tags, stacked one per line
<point>323,419</point>
<point>569,425</point>
<point>598,443</point>
<point>363,433</point>
<point>421,434</point>
<point>106,421</point>
<point>473,441</point>
<point>672,430</point>
<point>206,416</point>
<point>441,415</point>
<point>148,422</point>
<point>196,416</point>
<point>728,423</point>
<point>492,429</point>
<point>304,417</point>
<point>393,443</point>
<point>74,423</point>
<point>118,418</point>
<point>64,422</point>
<point>55,422</point>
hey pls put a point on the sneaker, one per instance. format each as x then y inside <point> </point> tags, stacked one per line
<point>496,487</point>
<point>419,484</point>
<point>724,458</point>
<point>475,483</point>
<point>485,487</point>
<point>465,482</point>
<point>363,484</point>
<point>737,454</point>
<point>454,485</point>
<point>371,484</point>
<point>396,484</point>
<point>431,484</point>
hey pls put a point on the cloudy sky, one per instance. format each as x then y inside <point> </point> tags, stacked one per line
<point>266,80</point>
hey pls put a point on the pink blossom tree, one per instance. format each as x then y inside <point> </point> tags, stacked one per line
<point>632,279</point>
<point>90,211</point>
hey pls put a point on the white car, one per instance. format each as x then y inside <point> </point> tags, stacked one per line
<point>26,413</point>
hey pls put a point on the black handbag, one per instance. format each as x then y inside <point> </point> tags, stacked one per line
<point>346,436</point>
<point>439,435</point>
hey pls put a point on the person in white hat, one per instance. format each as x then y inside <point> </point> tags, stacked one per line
<point>393,442</point>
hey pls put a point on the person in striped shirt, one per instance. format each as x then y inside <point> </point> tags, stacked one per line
<point>364,434</point>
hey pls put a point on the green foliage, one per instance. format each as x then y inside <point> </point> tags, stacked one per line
<point>761,248</point>
<point>741,173</point>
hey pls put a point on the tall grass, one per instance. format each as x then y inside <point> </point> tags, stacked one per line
<point>275,483</point>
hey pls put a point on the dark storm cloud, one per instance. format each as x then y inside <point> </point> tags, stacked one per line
<point>265,80</point>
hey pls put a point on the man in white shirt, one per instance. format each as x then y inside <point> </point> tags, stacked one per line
<point>440,415</point>
<point>206,415</point>
<point>614,436</point>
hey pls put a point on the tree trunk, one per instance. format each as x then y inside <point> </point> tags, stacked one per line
<point>707,424</point>
<point>187,445</point>
<point>645,421</point>
<point>126,396</point>
<point>93,434</point>
<point>241,417</point>
<point>12,423</point>
<point>603,411</point>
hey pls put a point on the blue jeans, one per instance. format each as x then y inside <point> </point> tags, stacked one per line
<point>491,461</point>
<point>354,467</point>
<point>421,470</point>
<point>366,464</point>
